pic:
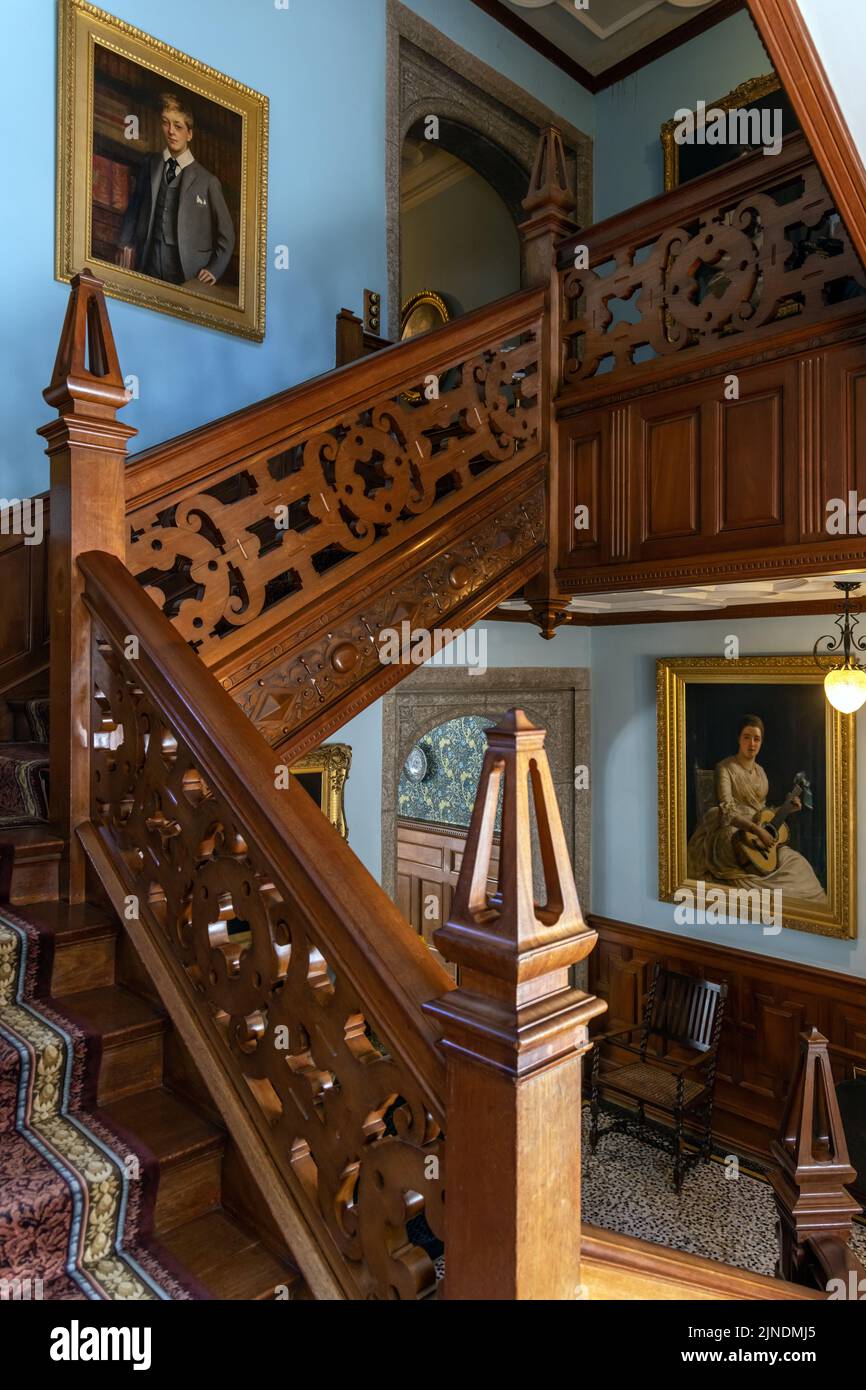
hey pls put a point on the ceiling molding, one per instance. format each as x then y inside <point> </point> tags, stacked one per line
<point>594,83</point>
<point>755,599</point>
<point>522,30</point>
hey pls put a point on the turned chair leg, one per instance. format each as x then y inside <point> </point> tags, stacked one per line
<point>593,1103</point>
<point>679,1156</point>
<point>707,1140</point>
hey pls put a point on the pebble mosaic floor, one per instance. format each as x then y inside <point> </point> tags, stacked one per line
<point>627,1188</point>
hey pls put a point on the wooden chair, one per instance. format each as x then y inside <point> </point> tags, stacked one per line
<point>681,1011</point>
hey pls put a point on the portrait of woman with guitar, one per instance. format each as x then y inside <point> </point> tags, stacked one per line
<point>743,841</point>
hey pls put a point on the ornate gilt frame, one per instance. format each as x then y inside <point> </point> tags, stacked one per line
<point>333,761</point>
<point>747,92</point>
<point>81,27</point>
<point>673,675</point>
<point>423,297</point>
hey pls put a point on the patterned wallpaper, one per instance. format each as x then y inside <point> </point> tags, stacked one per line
<point>455,752</point>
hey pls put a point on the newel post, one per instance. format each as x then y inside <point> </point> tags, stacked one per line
<point>809,1185</point>
<point>86,444</point>
<point>550,205</point>
<point>514,1032</point>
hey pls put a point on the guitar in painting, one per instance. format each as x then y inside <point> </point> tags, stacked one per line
<point>750,850</point>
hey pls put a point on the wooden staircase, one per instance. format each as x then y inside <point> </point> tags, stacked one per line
<point>204,1212</point>
<point>303,1074</point>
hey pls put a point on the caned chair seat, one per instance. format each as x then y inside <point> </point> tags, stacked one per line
<point>650,1084</point>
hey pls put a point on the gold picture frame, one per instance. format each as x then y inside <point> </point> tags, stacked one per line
<point>323,774</point>
<point>808,722</point>
<point>437,313</point>
<point>742,96</point>
<point>112,79</point>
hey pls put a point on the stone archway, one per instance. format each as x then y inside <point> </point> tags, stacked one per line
<point>486,120</point>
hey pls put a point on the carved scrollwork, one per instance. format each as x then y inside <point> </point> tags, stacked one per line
<point>347,1121</point>
<point>732,270</point>
<point>267,532</point>
<point>295,687</point>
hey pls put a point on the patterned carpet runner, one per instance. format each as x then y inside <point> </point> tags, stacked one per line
<point>76,1196</point>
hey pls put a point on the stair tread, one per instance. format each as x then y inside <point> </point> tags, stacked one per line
<point>170,1127</point>
<point>30,837</point>
<point>70,922</point>
<point>206,1241</point>
<point>231,1263</point>
<point>113,1012</point>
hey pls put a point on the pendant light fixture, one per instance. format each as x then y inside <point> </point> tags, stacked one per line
<point>845,683</point>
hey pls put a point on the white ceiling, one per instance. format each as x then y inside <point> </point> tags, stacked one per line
<point>606,31</point>
<point>707,598</point>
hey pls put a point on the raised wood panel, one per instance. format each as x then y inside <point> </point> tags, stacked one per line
<point>672,488</point>
<point>769,1003</point>
<point>750,463</point>
<point>726,476</point>
<point>429,856</point>
<point>845,412</point>
<point>24,613</point>
<point>584,445</point>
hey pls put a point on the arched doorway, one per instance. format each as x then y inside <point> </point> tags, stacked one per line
<point>485,120</point>
<point>459,212</point>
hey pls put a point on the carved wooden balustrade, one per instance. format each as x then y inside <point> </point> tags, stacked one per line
<point>281,541</point>
<point>302,978</point>
<point>730,261</point>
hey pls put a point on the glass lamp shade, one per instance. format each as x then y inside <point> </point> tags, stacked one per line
<point>845,688</point>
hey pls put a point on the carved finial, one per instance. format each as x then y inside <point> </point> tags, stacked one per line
<point>550,205</point>
<point>548,186</point>
<point>810,1186</point>
<point>87,379</point>
<point>506,933</point>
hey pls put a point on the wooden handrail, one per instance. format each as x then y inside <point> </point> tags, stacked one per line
<point>305,980</point>
<point>183,463</point>
<point>678,206</point>
<point>400,972</point>
<point>712,271</point>
<point>283,540</point>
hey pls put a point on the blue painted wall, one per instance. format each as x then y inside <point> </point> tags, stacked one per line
<point>624,779</point>
<point>475,31</point>
<point>629,166</point>
<point>322,64</point>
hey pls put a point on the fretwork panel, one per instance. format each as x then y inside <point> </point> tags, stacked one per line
<point>346,1121</point>
<point>280,527</point>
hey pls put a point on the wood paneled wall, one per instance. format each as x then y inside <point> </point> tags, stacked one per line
<point>429,856</point>
<point>23,610</point>
<point>770,1002</point>
<point>686,484</point>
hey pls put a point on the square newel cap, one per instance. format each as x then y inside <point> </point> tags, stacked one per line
<point>505,934</point>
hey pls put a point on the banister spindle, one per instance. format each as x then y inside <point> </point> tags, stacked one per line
<point>87,447</point>
<point>513,1034</point>
<point>809,1186</point>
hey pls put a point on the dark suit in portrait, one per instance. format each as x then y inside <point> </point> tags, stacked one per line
<point>177,221</point>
